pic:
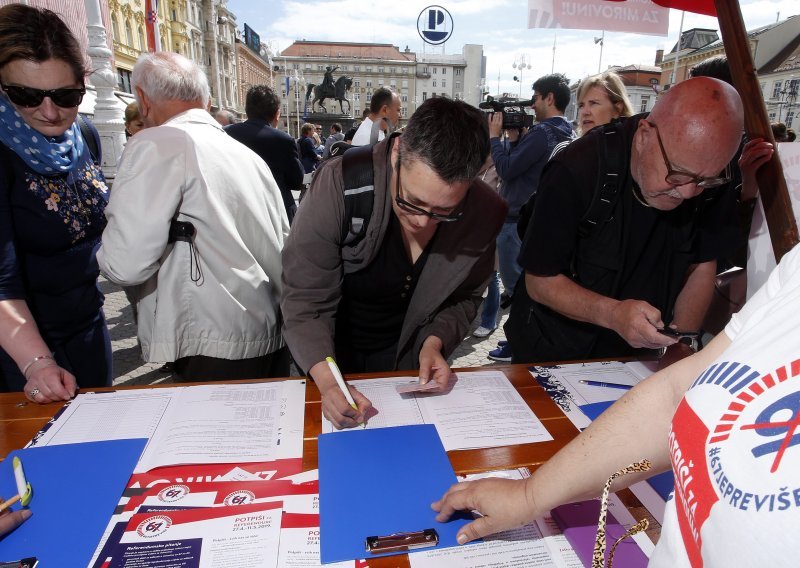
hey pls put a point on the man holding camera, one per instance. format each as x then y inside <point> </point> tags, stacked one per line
<point>520,164</point>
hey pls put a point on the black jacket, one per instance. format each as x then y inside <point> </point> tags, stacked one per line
<point>278,150</point>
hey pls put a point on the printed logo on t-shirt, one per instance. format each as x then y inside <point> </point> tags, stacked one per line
<point>746,458</point>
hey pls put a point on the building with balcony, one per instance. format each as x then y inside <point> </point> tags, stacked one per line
<point>252,69</point>
<point>767,43</point>
<point>460,76</point>
<point>370,65</point>
<point>202,30</point>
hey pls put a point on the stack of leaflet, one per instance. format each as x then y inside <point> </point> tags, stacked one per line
<point>246,439</point>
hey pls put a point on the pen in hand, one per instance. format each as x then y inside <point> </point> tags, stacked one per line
<point>607,385</point>
<point>337,374</point>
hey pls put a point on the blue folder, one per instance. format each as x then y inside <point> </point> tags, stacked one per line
<point>75,490</point>
<point>380,482</point>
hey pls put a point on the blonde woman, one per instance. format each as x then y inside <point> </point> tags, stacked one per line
<point>601,99</point>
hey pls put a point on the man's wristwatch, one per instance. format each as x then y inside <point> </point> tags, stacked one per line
<point>692,342</point>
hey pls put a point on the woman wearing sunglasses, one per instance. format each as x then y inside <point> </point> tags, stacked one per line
<point>52,197</point>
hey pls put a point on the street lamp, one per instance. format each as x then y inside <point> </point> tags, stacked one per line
<point>521,62</point>
<point>299,85</point>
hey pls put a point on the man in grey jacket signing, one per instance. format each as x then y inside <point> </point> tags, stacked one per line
<point>403,296</point>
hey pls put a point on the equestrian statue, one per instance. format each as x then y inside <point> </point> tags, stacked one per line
<point>330,90</point>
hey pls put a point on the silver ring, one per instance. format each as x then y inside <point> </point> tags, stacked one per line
<point>34,392</point>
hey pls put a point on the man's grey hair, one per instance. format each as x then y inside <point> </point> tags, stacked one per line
<point>165,76</point>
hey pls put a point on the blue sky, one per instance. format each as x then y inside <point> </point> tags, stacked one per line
<point>499,25</point>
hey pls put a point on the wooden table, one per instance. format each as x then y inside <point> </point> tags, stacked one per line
<point>21,420</point>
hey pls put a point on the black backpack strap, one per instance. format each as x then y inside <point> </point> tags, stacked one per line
<point>91,138</point>
<point>359,193</point>
<point>610,172</point>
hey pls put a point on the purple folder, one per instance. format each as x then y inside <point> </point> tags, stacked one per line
<point>578,522</point>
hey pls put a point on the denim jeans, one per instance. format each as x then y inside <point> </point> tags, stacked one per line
<point>491,304</point>
<point>508,245</point>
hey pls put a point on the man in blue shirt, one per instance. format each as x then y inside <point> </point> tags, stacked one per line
<point>520,164</point>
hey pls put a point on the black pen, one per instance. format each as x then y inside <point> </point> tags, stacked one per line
<point>608,385</point>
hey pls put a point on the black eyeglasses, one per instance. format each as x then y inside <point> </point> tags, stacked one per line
<point>414,210</point>
<point>29,97</point>
<point>680,177</point>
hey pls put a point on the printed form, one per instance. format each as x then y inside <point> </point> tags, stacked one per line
<point>231,423</point>
<point>481,409</point>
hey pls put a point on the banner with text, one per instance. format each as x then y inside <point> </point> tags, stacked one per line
<point>634,16</point>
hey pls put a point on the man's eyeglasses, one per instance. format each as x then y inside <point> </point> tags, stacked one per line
<point>29,97</point>
<point>680,177</point>
<point>414,210</point>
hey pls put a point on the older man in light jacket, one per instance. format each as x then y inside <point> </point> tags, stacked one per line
<point>197,220</point>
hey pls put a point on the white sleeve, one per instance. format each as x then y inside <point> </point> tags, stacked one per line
<point>145,195</point>
<point>780,276</point>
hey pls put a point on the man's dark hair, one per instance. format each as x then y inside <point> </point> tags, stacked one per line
<point>336,126</point>
<point>382,96</point>
<point>449,136</point>
<point>261,102</point>
<point>716,67</point>
<point>558,84</point>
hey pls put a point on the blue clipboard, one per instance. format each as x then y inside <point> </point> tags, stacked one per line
<point>75,490</point>
<point>381,482</point>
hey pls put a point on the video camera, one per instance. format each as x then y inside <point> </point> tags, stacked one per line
<point>513,114</point>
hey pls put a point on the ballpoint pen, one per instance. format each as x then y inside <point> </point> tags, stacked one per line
<point>337,374</point>
<point>608,385</point>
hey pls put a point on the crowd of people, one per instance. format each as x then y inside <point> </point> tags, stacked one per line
<point>607,236</point>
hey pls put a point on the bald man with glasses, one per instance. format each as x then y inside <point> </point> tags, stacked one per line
<point>403,296</point>
<point>605,281</point>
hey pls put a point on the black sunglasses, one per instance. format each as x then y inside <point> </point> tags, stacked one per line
<point>414,210</point>
<point>29,97</point>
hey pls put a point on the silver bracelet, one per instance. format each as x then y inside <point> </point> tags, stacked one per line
<point>32,361</point>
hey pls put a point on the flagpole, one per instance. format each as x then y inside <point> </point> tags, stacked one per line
<point>553,65</point>
<point>602,41</point>
<point>677,51</point>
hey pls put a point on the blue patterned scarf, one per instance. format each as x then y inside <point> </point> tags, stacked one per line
<point>44,155</point>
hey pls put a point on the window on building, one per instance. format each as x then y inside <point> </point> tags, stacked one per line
<point>357,97</point>
<point>789,118</point>
<point>444,70</point>
<point>128,34</point>
<point>142,44</point>
<point>369,69</point>
<point>434,83</point>
<point>124,80</point>
<point>458,72</point>
<point>404,70</point>
<point>285,109</point>
<point>763,86</point>
<point>308,66</point>
<point>444,82</point>
<point>458,85</point>
<point>776,90</point>
<point>357,68</point>
<point>404,83</point>
<point>645,102</point>
<point>403,111</point>
<point>434,70</point>
<point>296,66</point>
<point>380,82</point>
<point>320,68</point>
<point>343,68</point>
<point>357,83</point>
<point>404,98</point>
<point>424,96</point>
<point>380,69</point>
<point>772,117</point>
<point>115,28</point>
<point>425,70</point>
<point>393,82</point>
<point>369,83</point>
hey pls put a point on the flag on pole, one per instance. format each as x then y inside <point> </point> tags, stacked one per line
<point>641,17</point>
<point>151,19</point>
